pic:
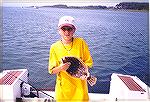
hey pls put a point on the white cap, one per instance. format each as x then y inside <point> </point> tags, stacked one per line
<point>66,21</point>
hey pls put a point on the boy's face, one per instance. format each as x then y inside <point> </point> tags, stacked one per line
<point>66,32</point>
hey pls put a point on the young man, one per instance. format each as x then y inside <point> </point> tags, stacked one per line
<point>69,88</point>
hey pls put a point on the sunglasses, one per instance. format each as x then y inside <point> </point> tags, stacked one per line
<point>67,28</point>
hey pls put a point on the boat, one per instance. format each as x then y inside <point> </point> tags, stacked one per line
<point>14,87</point>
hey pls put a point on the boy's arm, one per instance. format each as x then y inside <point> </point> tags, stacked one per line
<point>61,67</point>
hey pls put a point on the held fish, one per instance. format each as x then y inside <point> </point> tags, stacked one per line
<point>78,69</point>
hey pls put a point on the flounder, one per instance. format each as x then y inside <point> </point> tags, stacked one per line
<point>78,69</point>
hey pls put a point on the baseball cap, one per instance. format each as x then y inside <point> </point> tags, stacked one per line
<point>66,21</point>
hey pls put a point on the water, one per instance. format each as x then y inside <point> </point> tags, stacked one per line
<point>118,42</point>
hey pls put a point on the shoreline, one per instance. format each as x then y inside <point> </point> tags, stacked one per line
<point>125,10</point>
<point>111,9</point>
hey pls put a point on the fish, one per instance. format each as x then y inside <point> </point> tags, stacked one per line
<point>78,69</point>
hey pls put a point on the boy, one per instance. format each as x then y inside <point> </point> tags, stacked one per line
<point>67,87</point>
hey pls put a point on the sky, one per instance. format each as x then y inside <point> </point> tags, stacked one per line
<point>66,2</point>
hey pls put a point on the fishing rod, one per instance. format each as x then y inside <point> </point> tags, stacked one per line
<point>30,85</point>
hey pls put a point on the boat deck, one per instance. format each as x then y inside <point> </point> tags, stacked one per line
<point>122,88</point>
<point>93,97</point>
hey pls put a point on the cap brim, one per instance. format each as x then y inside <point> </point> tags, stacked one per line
<point>69,25</point>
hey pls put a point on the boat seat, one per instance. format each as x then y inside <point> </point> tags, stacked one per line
<point>10,77</point>
<point>131,84</point>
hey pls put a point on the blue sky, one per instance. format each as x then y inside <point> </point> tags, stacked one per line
<point>67,2</point>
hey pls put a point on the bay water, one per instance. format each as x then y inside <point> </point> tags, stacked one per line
<point>118,42</point>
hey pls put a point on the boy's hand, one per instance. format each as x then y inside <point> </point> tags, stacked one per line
<point>65,66</point>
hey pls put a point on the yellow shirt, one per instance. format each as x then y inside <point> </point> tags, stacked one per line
<point>67,87</point>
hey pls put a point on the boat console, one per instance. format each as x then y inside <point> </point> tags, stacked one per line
<point>14,87</point>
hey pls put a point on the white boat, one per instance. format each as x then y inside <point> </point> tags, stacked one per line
<point>14,87</point>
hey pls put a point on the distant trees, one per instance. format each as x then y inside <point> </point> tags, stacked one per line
<point>123,5</point>
<point>80,7</point>
<point>95,7</point>
<point>132,6</point>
